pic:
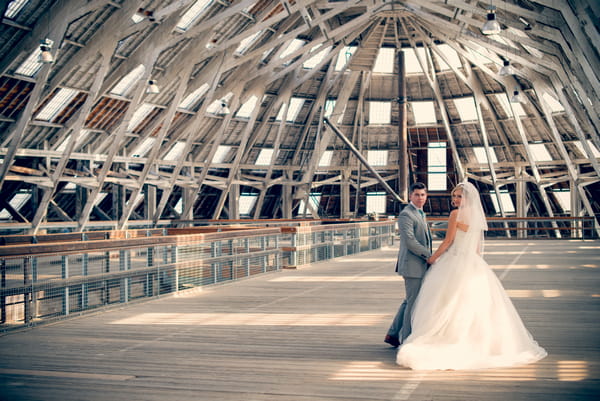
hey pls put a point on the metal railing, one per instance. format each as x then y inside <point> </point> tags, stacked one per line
<point>44,281</point>
<point>52,276</point>
<point>308,244</point>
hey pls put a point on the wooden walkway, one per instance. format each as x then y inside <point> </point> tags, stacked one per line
<point>312,334</point>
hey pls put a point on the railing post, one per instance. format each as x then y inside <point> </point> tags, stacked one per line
<point>246,256</point>
<point>64,260</point>
<point>3,285</point>
<point>124,264</point>
<point>27,293</point>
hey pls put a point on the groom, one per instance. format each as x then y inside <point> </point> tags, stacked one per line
<point>415,249</point>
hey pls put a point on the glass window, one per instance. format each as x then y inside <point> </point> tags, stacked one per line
<point>436,166</point>
<point>14,7</point>
<point>190,100</point>
<point>593,148</point>
<point>554,104</point>
<point>17,202</point>
<point>315,201</point>
<point>385,60</point>
<point>564,199</point>
<point>140,114</point>
<point>376,202</point>
<point>325,160</point>
<point>377,157</point>
<point>424,112</point>
<point>247,42</point>
<point>193,13</point>
<point>540,152</point>
<point>59,101</point>
<point>329,106</point>
<point>411,62</point>
<point>482,156</point>
<point>264,157</point>
<point>503,100</point>
<point>31,65</point>
<point>247,108</point>
<point>317,58</point>
<point>143,148</point>
<point>294,45</point>
<point>292,112</point>
<point>221,154</point>
<point>128,81</point>
<point>451,55</point>
<point>176,150</point>
<point>507,203</point>
<point>466,108</point>
<point>247,202</point>
<point>380,112</point>
<point>344,57</point>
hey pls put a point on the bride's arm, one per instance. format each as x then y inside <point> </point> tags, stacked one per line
<point>448,240</point>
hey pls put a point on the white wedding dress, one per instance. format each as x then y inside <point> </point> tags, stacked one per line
<point>463,318</point>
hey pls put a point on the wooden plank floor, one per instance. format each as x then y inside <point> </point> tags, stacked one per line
<point>312,334</point>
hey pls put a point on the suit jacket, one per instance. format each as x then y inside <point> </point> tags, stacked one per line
<point>415,243</point>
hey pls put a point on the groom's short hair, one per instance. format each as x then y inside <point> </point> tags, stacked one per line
<point>417,185</point>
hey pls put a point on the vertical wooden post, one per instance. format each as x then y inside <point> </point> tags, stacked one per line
<point>402,130</point>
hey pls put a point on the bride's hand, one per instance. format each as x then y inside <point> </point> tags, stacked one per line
<point>430,261</point>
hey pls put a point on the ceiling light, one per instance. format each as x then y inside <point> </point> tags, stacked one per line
<point>516,97</point>
<point>223,109</point>
<point>152,87</point>
<point>491,26</point>
<point>45,55</point>
<point>506,69</point>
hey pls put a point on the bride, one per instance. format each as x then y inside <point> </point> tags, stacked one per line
<point>463,318</point>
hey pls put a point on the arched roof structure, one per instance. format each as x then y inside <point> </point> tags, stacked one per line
<point>236,128</point>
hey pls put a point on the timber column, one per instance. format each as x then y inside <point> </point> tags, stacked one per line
<point>402,130</point>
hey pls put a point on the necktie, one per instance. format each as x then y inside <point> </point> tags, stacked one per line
<point>422,213</point>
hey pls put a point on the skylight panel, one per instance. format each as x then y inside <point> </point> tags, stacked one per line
<point>466,108</point>
<point>127,82</point>
<point>593,148</point>
<point>246,110</point>
<point>221,154</point>
<point>137,18</point>
<point>326,157</point>
<point>344,57</point>
<point>294,45</point>
<point>140,114</point>
<point>564,199</point>
<point>82,137</point>
<point>143,148</point>
<point>384,62</point>
<point>540,152</point>
<point>436,166</point>
<point>17,202</point>
<point>246,203</point>
<point>264,157</point>
<point>376,202</point>
<point>193,14</point>
<point>175,151</point>
<point>424,112</point>
<point>14,7</point>
<point>481,156</point>
<point>377,157</point>
<point>317,58</point>
<point>329,107</point>
<point>451,55</point>
<point>507,203</point>
<point>31,65</point>
<point>411,61</point>
<point>380,112</point>
<point>192,99</point>
<point>293,110</point>
<point>62,98</point>
<point>554,104</point>
<point>246,43</point>
<point>315,201</point>
<point>503,100</point>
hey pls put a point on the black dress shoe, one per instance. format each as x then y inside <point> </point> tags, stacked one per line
<point>393,341</point>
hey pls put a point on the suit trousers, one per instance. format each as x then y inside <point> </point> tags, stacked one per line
<point>401,325</point>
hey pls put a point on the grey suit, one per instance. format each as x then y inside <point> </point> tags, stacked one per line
<point>415,249</point>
